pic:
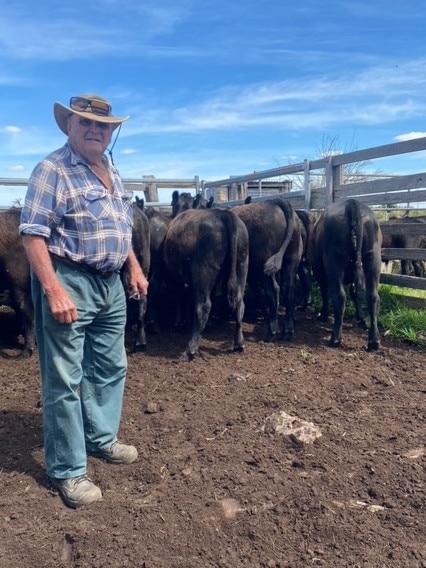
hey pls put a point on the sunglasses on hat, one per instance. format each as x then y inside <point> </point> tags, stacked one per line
<point>99,108</point>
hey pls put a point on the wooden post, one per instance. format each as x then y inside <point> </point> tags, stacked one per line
<point>233,192</point>
<point>244,187</point>
<point>337,177</point>
<point>333,178</point>
<point>307,184</point>
<point>150,189</point>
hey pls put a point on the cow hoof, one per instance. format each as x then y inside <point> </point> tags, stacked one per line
<point>373,346</point>
<point>139,348</point>
<point>187,357</point>
<point>26,354</point>
<point>334,343</point>
<point>238,348</point>
<point>272,338</point>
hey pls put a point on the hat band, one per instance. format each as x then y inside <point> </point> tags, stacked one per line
<point>99,108</point>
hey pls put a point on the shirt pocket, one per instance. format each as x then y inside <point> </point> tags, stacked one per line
<point>98,206</point>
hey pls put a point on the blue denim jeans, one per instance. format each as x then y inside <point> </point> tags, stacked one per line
<point>83,369</point>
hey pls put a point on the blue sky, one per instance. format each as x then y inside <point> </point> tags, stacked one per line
<point>214,89</point>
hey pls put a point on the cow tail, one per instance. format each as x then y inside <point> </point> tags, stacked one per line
<point>232,284</point>
<point>353,213</point>
<point>273,264</point>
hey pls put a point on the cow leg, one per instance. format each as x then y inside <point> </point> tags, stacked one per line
<point>323,286</point>
<point>338,296</point>
<point>359,315</point>
<point>239,315</point>
<point>418,268</point>
<point>405,267</point>
<point>271,291</point>
<point>183,305</point>
<point>373,305</point>
<point>239,308</point>
<point>140,336</point>
<point>304,274</point>
<point>288,287</point>
<point>373,301</point>
<point>23,307</point>
<point>256,298</point>
<point>151,317</point>
<point>202,307</point>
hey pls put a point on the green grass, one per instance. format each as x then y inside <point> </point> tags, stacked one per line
<point>406,292</point>
<point>397,317</point>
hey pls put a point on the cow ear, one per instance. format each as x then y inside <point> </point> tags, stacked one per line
<point>140,202</point>
<point>175,196</point>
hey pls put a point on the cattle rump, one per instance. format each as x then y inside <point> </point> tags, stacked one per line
<point>345,249</point>
<point>15,276</point>
<point>137,307</point>
<point>275,245</point>
<point>205,248</point>
<point>158,226</point>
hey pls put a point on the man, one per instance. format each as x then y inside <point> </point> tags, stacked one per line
<point>76,227</point>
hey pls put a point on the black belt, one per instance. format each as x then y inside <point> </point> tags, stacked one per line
<point>83,267</point>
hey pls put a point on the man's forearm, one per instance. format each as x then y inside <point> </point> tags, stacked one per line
<point>39,259</point>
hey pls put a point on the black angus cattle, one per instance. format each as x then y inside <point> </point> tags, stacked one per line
<point>304,270</point>
<point>136,306</point>
<point>275,253</point>
<point>200,202</point>
<point>345,248</point>
<point>184,201</point>
<point>158,225</point>
<point>203,247</point>
<point>181,202</point>
<point>406,241</point>
<point>15,276</point>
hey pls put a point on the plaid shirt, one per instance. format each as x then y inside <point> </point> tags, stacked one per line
<point>67,204</point>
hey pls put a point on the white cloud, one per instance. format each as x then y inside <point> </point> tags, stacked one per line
<point>409,136</point>
<point>15,169</point>
<point>372,97</point>
<point>67,35</point>
<point>10,130</point>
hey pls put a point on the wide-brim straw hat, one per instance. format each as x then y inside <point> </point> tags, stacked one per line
<point>62,112</point>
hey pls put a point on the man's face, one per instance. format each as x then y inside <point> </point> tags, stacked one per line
<point>87,137</point>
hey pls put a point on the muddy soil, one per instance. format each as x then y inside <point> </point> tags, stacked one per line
<point>212,487</point>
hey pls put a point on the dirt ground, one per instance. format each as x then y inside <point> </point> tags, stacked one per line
<point>212,487</point>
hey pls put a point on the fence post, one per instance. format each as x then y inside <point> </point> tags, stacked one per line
<point>328,181</point>
<point>244,187</point>
<point>338,175</point>
<point>233,192</point>
<point>150,189</point>
<point>333,178</point>
<point>307,184</point>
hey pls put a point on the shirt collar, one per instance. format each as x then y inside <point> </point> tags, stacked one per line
<point>77,158</point>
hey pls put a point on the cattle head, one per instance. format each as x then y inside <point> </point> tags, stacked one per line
<point>181,202</point>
